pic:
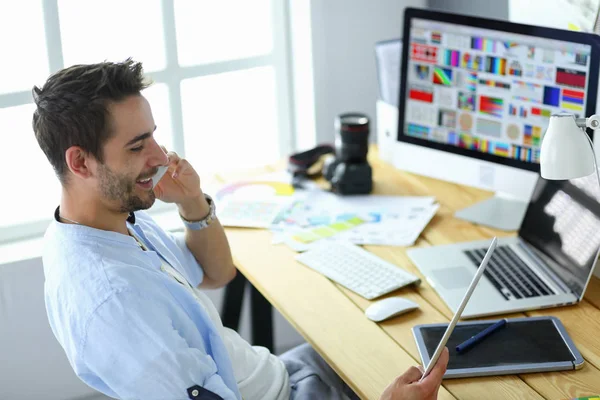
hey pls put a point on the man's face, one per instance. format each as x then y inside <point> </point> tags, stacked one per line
<point>131,157</point>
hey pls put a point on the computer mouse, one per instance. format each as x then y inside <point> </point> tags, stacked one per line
<point>389,307</point>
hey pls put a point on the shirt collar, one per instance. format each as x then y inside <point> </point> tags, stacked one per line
<point>74,230</point>
<point>130,218</point>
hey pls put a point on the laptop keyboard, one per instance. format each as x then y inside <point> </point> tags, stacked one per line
<point>509,274</point>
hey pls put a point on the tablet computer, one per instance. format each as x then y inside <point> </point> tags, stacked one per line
<point>524,345</point>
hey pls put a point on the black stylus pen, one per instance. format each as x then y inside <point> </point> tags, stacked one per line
<point>473,340</point>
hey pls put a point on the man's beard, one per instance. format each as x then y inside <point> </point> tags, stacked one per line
<point>121,190</point>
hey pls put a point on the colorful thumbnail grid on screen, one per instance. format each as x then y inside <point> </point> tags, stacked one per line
<point>490,92</point>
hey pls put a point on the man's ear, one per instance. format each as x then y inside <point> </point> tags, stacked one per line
<point>78,162</point>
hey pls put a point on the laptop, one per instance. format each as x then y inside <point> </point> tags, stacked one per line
<point>548,264</point>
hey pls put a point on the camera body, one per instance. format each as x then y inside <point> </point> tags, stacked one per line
<point>346,178</point>
<point>349,172</point>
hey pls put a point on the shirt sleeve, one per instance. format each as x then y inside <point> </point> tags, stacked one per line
<point>133,350</point>
<point>192,269</point>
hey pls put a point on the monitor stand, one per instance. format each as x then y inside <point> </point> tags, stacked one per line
<point>496,212</point>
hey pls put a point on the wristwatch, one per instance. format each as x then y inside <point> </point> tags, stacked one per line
<point>206,221</point>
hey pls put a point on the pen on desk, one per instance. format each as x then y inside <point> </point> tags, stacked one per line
<point>473,340</point>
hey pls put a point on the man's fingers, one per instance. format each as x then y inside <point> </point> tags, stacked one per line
<point>173,158</point>
<point>182,165</point>
<point>174,161</point>
<point>434,379</point>
<point>411,375</point>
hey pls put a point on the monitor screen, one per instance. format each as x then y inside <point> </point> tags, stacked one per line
<point>562,225</point>
<point>487,89</point>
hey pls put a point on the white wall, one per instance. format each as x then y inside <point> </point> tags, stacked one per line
<point>344,33</point>
<point>496,9</point>
<point>562,14</point>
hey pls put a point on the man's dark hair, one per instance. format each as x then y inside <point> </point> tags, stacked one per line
<point>72,108</point>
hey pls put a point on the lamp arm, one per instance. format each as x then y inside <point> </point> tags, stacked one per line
<point>593,153</point>
<point>592,122</point>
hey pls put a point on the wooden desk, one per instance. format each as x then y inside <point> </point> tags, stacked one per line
<point>369,355</point>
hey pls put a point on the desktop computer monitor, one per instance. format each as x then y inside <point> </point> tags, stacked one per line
<point>475,100</point>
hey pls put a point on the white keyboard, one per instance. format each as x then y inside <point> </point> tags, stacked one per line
<point>356,269</point>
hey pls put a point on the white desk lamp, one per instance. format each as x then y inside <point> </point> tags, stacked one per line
<point>567,151</point>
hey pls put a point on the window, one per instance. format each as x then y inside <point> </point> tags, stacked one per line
<point>158,97</point>
<point>220,95</point>
<point>214,134</point>
<point>94,31</point>
<point>27,60</point>
<point>26,174</point>
<point>197,27</point>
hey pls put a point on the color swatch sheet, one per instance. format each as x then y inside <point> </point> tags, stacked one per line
<point>368,219</point>
<point>255,203</point>
<point>301,218</point>
<point>304,238</point>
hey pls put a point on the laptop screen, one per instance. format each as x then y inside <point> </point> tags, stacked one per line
<point>562,224</point>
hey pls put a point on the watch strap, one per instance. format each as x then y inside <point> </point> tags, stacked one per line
<point>206,221</point>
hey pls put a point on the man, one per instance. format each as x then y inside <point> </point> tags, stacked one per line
<point>122,295</point>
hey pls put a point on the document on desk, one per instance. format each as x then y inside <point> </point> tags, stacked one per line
<point>393,231</point>
<point>256,203</point>
<point>321,208</point>
<point>369,219</point>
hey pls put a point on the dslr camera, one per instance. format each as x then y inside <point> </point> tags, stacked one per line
<point>347,171</point>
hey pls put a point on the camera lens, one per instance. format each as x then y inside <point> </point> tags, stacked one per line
<point>352,137</point>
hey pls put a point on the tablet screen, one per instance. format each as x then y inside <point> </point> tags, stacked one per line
<point>519,342</point>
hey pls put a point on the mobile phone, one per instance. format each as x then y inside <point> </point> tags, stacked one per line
<point>161,171</point>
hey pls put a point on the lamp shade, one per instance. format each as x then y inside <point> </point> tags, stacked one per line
<point>566,152</point>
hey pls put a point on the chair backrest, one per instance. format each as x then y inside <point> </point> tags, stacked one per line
<point>32,363</point>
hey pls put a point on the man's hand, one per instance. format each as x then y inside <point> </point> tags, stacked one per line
<point>408,387</point>
<point>181,185</point>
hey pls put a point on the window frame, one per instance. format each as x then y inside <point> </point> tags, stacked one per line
<point>172,75</point>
